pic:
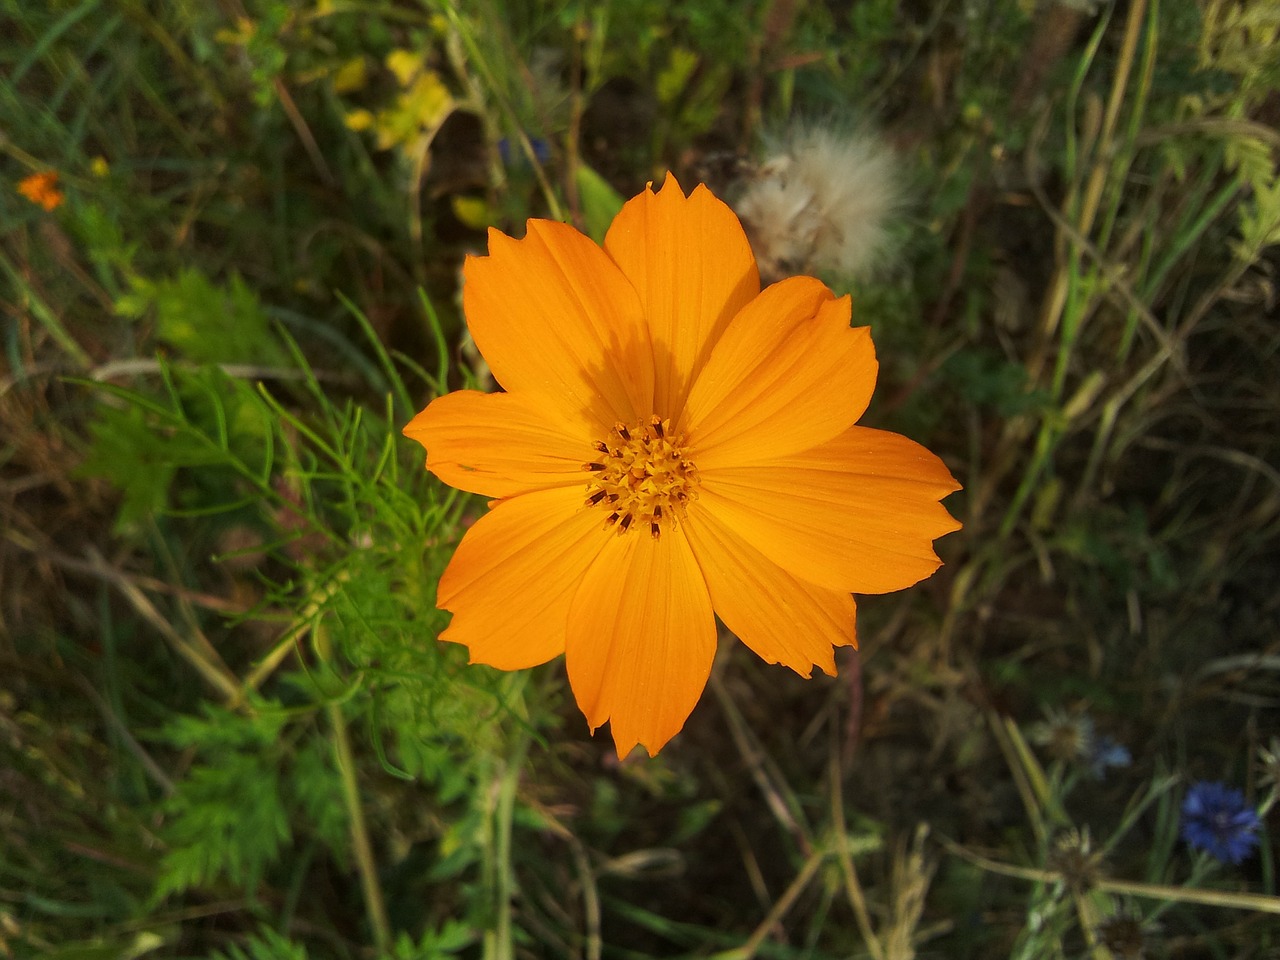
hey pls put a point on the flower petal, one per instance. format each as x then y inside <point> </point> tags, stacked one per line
<point>857,513</point>
<point>501,444</point>
<point>553,316</point>
<point>690,261</point>
<point>788,374</point>
<point>783,619</point>
<point>641,639</point>
<point>512,577</point>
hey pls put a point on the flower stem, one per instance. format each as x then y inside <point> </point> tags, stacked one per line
<point>373,901</point>
<point>374,904</point>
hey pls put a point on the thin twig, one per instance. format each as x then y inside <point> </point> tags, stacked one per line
<point>237,371</point>
<point>197,651</point>
<point>754,758</point>
<point>857,899</point>
<point>1152,891</point>
<point>122,731</point>
<point>590,898</point>
<point>780,910</point>
<point>207,600</point>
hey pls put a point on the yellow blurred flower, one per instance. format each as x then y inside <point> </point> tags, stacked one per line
<point>358,120</point>
<point>475,212</point>
<point>350,76</point>
<point>422,105</point>
<point>405,64</point>
<point>419,111</point>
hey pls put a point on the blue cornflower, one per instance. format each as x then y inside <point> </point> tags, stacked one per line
<point>1216,819</point>
<point>1105,752</point>
<point>511,152</point>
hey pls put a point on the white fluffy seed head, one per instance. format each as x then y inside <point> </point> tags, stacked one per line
<point>821,202</point>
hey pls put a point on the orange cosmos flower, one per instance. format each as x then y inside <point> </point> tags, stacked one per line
<point>42,189</point>
<point>673,444</point>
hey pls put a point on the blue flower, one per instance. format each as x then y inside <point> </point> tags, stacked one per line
<point>513,154</point>
<point>1106,752</point>
<point>1216,819</point>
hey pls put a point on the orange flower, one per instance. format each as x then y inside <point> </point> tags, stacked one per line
<point>673,444</point>
<point>42,189</point>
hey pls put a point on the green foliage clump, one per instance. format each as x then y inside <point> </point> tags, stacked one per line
<point>203,323</point>
<point>227,819</point>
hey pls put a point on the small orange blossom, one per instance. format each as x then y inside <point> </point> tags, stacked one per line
<point>42,189</point>
<point>673,444</point>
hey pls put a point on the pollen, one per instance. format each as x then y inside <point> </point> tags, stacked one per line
<point>641,477</point>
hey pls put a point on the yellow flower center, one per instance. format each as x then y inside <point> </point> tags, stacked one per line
<point>641,477</point>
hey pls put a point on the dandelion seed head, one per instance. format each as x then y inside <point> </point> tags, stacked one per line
<point>1125,935</point>
<point>1074,857</point>
<point>1064,736</point>
<point>821,201</point>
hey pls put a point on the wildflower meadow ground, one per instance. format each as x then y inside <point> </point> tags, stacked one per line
<point>639,480</point>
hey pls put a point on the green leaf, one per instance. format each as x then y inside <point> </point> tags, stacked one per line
<point>266,944</point>
<point>127,450</point>
<point>205,322</point>
<point>675,76</point>
<point>317,789</point>
<point>440,944</point>
<point>210,422</point>
<point>600,202</point>
<point>227,820</point>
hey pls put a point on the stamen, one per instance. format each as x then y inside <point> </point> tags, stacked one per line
<point>643,477</point>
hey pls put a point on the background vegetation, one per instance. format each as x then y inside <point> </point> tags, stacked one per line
<point>227,727</point>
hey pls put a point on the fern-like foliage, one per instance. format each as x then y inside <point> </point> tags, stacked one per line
<point>227,819</point>
<point>266,944</point>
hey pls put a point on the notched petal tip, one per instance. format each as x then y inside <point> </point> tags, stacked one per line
<point>641,639</point>
<point>689,260</point>
<point>669,182</point>
<point>555,318</point>
<point>626,746</point>
<point>780,617</point>
<point>858,513</point>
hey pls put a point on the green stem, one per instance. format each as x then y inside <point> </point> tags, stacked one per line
<point>498,942</point>
<point>368,870</point>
